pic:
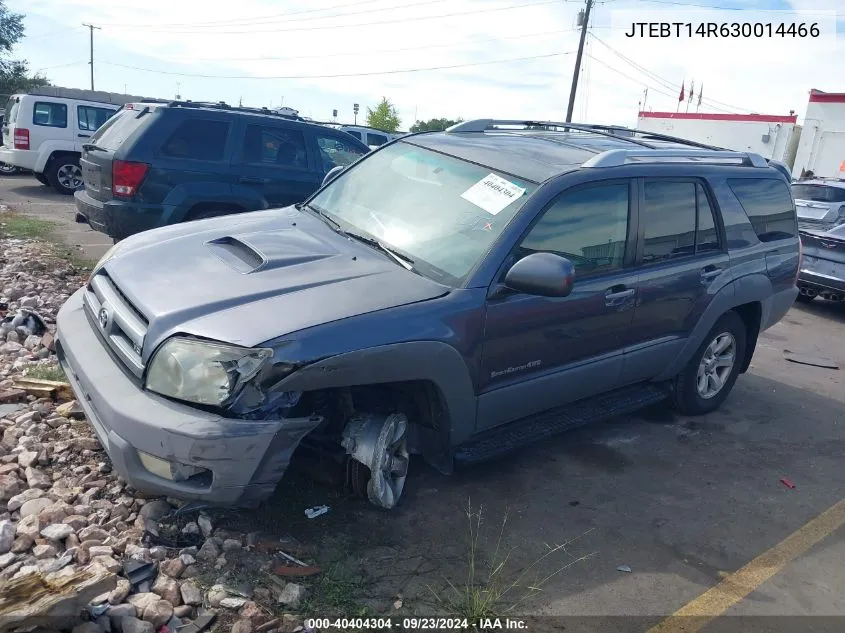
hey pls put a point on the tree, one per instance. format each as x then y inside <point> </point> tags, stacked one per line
<point>384,116</point>
<point>14,73</point>
<point>433,125</point>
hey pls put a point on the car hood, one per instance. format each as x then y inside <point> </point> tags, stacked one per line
<point>251,278</point>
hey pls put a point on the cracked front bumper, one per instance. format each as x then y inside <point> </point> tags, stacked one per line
<point>245,458</point>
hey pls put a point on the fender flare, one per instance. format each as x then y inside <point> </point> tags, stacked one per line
<point>755,287</point>
<point>433,361</point>
<point>46,151</point>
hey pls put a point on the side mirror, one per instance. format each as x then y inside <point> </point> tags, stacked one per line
<point>333,172</point>
<point>543,274</point>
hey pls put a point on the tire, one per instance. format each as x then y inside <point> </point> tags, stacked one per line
<point>7,170</point>
<point>697,389</point>
<point>41,178</point>
<point>804,298</point>
<point>64,174</point>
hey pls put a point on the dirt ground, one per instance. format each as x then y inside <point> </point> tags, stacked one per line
<point>683,502</point>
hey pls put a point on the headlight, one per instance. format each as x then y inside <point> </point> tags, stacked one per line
<point>202,371</point>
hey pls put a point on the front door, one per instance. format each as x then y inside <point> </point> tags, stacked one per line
<point>682,262</point>
<point>541,352</point>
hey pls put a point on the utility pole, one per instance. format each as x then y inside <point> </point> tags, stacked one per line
<point>578,57</point>
<point>91,28</point>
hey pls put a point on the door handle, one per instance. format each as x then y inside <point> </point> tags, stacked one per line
<point>253,181</point>
<point>84,135</point>
<point>615,295</point>
<point>709,273</point>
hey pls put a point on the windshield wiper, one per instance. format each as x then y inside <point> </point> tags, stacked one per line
<point>88,147</point>
<point>323,216</point>
<point>403,260</point>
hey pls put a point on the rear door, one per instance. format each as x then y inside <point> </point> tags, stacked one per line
<point>51,121</point>
<point>681,262</point>
<point>274,160</point>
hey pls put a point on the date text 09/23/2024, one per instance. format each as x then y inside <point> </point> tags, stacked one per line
<point>414,624</point>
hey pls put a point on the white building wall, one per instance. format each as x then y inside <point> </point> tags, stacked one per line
<point>769,136</point>
<point>822,146</point>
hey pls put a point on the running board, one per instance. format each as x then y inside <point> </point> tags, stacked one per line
<point>524,431</point>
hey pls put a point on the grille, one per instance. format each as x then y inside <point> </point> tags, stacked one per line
<point>119,324</point>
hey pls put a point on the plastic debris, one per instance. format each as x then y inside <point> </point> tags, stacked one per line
<point>807,359</point>
<point>624,568</point>
<point>313,513</point>
<point>295,561</point>
<point>787,483</point>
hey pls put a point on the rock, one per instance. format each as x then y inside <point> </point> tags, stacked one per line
<point>292,595</point>
<point>22,544</point>
<point>183,611</point>
<point>7,559</point>
<point>16,502</point>
<point>290,623</point>
<point>75,521</point>
<point>92,532</point>
<point>242,626</point>
<point>187,559</point>
<point>168,589</point>
<point>208,552</point>
<point>86,627</point>
<point>122,611</point>
<point>134,625</point>
<point>252,612</point>
<point>44,551</point>
<point>142,600</point>
<point>172,568</point>
<point>191,593</point>
<point>108,563</point>
<point>27,458</point>
<point>37,478</point>
<point>230,545</point>
<point>10,486</point>
<point>216,595</point>
<point>119,593</point>
<point>57,532</point>
<point>155,510</point>
<point>7,536</point>
<point>54,513</point>
<point>31,342</point>
<point>192,571</point>
<point>205,525</point>
<point>191,528</point>
<point>28,302</point>
<point>158,613</point>
<point>233,602</point>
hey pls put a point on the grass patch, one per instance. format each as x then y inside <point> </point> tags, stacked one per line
<point>47,372</point>
<point>21,226</point>
<point>335,593</point>
<point>493,588</point>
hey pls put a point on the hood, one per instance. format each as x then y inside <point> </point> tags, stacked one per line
<point>254,277</point>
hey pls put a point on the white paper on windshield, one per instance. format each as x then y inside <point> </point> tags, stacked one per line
<point>492,193</point>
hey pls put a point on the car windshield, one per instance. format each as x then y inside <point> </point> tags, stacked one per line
<point>818,193</point>
<point>442,212</point>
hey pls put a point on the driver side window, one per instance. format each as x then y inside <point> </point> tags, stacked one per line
<point>588,226</point>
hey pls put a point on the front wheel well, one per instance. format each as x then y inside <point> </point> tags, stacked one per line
<point>751,315</point>
<point>59,155</point>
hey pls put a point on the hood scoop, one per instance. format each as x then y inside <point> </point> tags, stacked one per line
<point>253,252</point>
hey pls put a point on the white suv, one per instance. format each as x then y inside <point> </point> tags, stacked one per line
<point>44,133</point>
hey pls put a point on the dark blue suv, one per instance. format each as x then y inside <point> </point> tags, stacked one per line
<point>454,294</point>
<point>155,164</point>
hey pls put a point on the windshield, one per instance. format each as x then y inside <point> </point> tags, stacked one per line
<point>442,212</point>
<point>818,193</point>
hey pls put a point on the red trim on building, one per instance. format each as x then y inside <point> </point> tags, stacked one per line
<point>817,96</point>
<point>702,116</point>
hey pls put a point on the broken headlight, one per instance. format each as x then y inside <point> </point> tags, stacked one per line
<point>202,371</point>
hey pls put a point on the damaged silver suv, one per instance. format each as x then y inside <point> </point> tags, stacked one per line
<point>453,294</point>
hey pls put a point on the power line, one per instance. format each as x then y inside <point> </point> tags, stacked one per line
<point>722,8</point>
<point>383,50</point>
<point>61,65</point>
<point>619,72</point>
<point>334,76</point>
<point>346,26</point>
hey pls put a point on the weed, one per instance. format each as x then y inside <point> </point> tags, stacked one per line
<point>493,589</point>
<point>14,225</point>
<point>335,592</point>
<point>47,372</point>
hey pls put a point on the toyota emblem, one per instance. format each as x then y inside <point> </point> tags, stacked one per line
<point>103,318</point>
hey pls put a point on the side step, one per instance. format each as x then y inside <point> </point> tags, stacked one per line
<point>507,437</point>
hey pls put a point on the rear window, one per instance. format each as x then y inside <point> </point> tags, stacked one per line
<point>197,139</point>
<point>118,128</point>
<point>768,205</point>
<point>49,114</point>
<point>818,193</point>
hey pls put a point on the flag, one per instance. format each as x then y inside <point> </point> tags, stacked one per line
<point>700,90</point>
<point>691,89</point>
<point>681,96</point>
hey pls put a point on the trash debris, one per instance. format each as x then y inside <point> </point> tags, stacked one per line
<point>397,604</point>
<point>199,624</point>
<point>787,483</point>
<point>137,571</point>
<point>313,513</point>
<point>30,321</point>
<point>624,568</point>
<point>295,561</point>
<point>807,359</point>
<point>288,571</point>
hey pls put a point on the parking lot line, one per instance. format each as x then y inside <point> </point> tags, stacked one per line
<point>694,615</point>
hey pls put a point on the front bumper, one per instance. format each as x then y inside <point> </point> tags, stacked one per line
<point>24,158</point>
<point>245,458</point>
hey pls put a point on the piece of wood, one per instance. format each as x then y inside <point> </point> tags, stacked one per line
<point>44,388</point>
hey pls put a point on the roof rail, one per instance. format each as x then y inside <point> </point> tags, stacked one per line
<point>619,157</point>
<point>222,105</point>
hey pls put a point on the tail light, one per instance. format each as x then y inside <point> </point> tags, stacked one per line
<point>21,138</point>
<point>126,177</point>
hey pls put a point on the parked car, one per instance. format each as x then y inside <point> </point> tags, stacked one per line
<point>456,294</point>
<point>158,164</point>
<point>43,132</point>
<point>371,137</point>
<point>823,264</point>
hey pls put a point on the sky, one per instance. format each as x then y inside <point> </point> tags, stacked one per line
<point>511,59</point>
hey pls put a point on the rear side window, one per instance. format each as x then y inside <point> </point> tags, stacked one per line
<point>818,193</point>
<point>275,146</point>
<point>91,118</point>
<point>376,139</point>
<point>12,110</point>
<point>769,206</point>
<point>118,128</point>
<point>49,114</point>
<point>197,139</point>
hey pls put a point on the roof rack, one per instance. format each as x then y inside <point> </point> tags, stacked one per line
<point>222,105</point>
<point>613,131</point>
<point>619,157</point>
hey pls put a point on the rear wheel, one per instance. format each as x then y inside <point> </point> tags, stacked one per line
<point>802,298</point>
<point>7,170</point>
<point>65,175</point>
<point>710,375</point>
<point>41,178</point>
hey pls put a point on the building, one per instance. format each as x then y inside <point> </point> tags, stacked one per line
<point>771,136</point>
<point>822,147</point>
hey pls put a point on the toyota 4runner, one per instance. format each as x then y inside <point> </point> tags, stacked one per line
<point>453,294</point>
